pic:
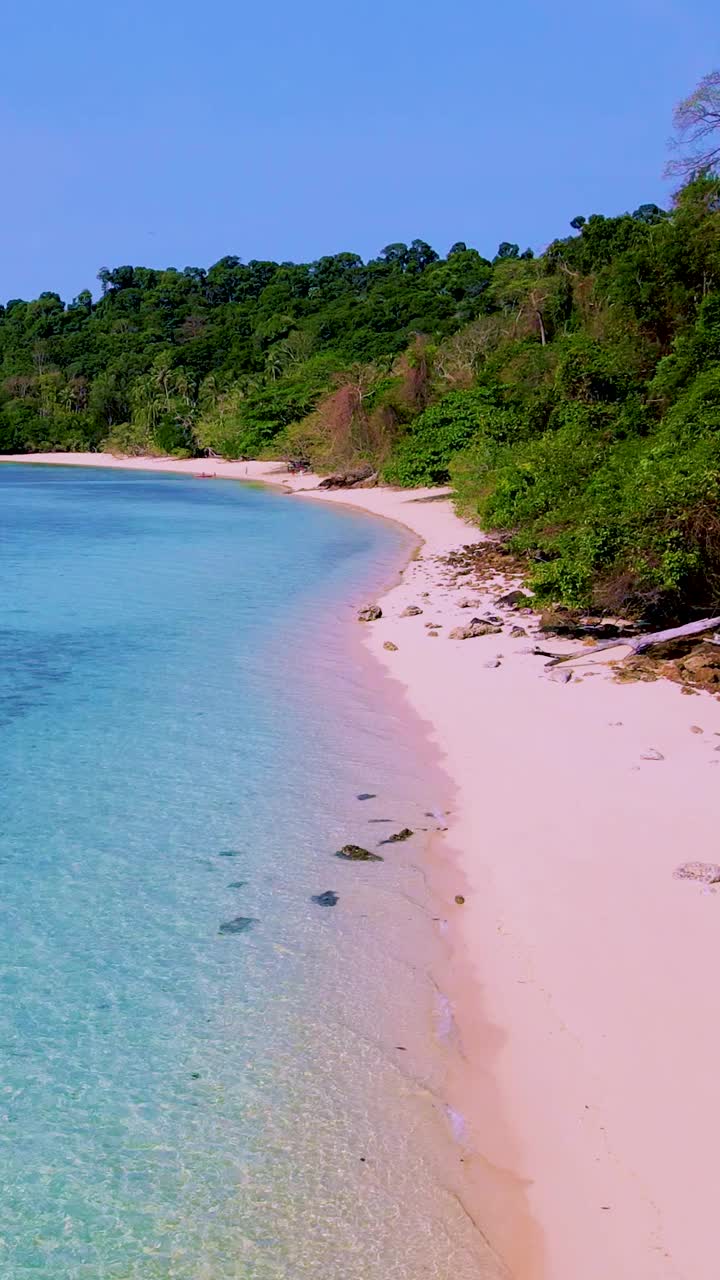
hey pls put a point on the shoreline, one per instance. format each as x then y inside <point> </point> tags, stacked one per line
<point>588,1051</point>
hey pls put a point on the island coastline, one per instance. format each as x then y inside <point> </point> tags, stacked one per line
<point>580,971</point>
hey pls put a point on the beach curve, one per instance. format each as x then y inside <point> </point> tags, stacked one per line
<point>581,983</point>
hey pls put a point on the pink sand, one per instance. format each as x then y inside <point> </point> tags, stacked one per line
<point>584,970</point>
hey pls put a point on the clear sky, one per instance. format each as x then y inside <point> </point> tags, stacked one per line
<point>171,134</point>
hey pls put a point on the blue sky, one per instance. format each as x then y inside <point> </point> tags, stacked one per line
<point>171,134</point>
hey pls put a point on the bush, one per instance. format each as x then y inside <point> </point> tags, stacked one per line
<point>424,455</point>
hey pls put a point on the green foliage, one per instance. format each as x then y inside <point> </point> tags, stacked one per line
<point>423,456</point>
<point>573,398</point>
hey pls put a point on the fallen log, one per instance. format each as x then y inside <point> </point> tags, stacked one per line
<point>638,644</point>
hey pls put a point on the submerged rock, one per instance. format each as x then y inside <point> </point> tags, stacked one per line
<point>356,853</point>
<point>240,924</point>
<point>706,872</point>
<point>370,613</point>
<point>229,853</point>
<point>367,795</point>
<point>327,899</point>
<point>398,836</point>
<point>237,884</point>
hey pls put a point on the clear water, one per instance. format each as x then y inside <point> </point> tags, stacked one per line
<point>182,740</point>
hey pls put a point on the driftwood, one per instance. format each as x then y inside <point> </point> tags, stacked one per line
<point>638,644</point>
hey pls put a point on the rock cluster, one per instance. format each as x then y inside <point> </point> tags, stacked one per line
<point>476,627</point>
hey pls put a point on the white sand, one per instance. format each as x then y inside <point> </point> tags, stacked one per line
<point>589,1024</point>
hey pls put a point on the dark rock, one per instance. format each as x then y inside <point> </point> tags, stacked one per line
<point>370,613</point>
<point>517,633</point>
<point>240,924</point>
<point>346,479</point>
<point>412,611</point>
<point>388,644</point>
<point>513,598</point>
<point>367,795</point>
<point>494,662</point>
<point>459,899</point>
<point>398,836</point>
<point>355,853</point>
<point>327,899</point>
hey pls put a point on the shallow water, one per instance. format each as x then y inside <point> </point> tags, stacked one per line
<point>182,738</point>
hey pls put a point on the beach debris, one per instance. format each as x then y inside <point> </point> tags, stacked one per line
<point>476,627</point>
<point>370,613</point>
<point>356,853</point>
<point>424,595</point>
<point>517,633</point>
<point>705,872</point>
<point>412,611</point>
<point>398,836</point>
<point>494,662</point>
<point>514,598</point>
<point>348,479</point>
<point>240,924</point>
<point>229,853</point>
<point>237,884</point>
<point>638,644</point>
<point>651,754</point>
<point>459,899</point>
<point>366,795</point>
<point>327,899</point>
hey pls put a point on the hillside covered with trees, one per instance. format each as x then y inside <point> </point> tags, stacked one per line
<point>573,398</point>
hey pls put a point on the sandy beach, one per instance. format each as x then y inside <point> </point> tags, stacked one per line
<point>581,984</point>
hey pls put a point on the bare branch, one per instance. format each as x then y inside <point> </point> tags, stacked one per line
<point>697,130</point>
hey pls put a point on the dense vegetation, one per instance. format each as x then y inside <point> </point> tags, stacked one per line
<point>572,398</point>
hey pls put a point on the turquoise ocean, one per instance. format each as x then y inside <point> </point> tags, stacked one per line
<point>186,722</point>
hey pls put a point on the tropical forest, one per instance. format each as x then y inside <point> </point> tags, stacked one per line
<point>571,398</point>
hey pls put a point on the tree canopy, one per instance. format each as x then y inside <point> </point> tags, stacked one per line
<point>572,398</point>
